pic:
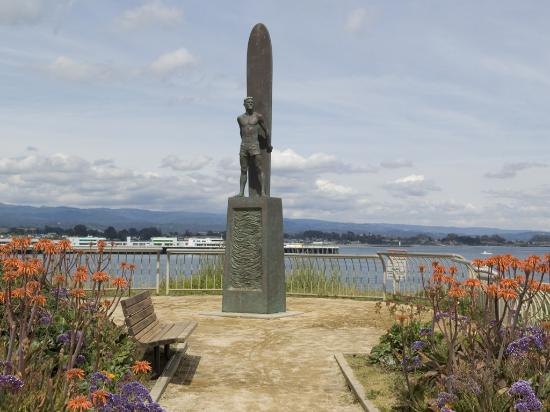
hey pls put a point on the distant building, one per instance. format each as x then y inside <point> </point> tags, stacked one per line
<point>164,241</point>
<point>85,241</point>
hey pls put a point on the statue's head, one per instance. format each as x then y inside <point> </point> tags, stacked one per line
<point>249,103</point>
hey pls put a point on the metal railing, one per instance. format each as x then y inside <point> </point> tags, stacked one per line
<point>180,271</point>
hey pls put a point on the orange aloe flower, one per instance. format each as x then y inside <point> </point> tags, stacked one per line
<point>64,245</point>
<point>120,282</point>
<point>448,279</point>
<point>141,367</point>
<point>107,303</point>
<point>59,279</point>
<point>491,290</point>
<point>81,274</point>
<point>507,294</point>
<point>478,263</point>
<point>33,285</point>
<point>437,277</point>
<point>46,246</point>
<point>28,268</point>
<point>456,292</point>
<point>77,293</point>
<point>421,268</point>
<point>11,263</point>
<point>509,283</point>
<point>79,403</point>
<point>21,243</point>
<point>10,275</point>
<point>39,299</point>
<point>2,296</point>
<point>99,397</point>
<point>473,283</point>
<point>545,288</point>
<point>453,270</point>
<point>75,373</point>
<point>520,278</point>
<point>20,293</point>
<point>100,277</point>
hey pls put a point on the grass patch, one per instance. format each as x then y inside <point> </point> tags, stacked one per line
<point>379,383</point>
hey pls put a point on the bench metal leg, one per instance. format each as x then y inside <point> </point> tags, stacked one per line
<point>167,352</point>
<point>156,360</point>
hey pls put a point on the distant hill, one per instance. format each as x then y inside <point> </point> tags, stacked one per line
<point>100,218</point>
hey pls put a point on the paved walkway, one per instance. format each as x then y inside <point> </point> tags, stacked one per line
<point>285,364</point>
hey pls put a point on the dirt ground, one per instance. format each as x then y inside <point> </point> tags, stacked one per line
<point>286,364</point>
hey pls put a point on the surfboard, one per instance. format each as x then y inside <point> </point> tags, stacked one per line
<point>259,81</point>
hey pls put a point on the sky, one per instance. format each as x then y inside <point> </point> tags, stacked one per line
<point>414,112</point>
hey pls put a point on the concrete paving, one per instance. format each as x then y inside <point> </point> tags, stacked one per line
<point>286,364</point>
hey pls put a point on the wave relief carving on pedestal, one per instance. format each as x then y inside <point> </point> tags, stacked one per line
<point>246,249</point>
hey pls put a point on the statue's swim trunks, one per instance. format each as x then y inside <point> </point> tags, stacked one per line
<point>250,149</point>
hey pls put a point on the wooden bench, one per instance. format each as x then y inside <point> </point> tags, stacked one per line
<point>146,329</point>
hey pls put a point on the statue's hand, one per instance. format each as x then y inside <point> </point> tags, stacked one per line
<point>269,148</point>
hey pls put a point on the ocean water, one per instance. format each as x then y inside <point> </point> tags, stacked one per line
<point>468,252</point>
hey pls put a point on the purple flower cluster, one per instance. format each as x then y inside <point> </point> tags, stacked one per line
<point>61,292</point>
<point>526,400</point>
<point>133,396</point>
<point>96,378</point>
<point>534,340</point>
<point>441,315</point>
<point>45,319</point>
<point>445,398</point>
<point>418,345</point>
<point>425,331</point>
<point>411,362</point>
<point>64,338</point>
<point>10,382</point>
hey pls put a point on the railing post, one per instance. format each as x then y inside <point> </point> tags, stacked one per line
<point>158,273</point>
<point>167,272</point>
<point>384,277</point>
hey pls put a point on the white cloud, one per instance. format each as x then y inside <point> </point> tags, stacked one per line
<point>356,20</point>
<point>410,179</point>
<point>148,14</point>
<point>331,188</point>
<point>411,185</point>
<point>173,62</point>
<point>184,165</point>
<point>510,170</point>
<point>15,12</point>
<point>288,161</point>
<point>67,68</point>
<point>62,179</point>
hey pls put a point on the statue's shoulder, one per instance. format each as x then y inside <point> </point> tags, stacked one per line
<point>241,117</point>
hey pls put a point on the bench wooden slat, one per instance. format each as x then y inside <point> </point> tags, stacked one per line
<point>156,333</point>
<point>179,333</point>
<point>131,310</point>
<point>135,299</point>
<point>144,332</point>
<point>142,324</point>
<point>139,316</point>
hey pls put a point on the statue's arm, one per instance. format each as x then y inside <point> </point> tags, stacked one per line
<point>240,125</point>
<point>262,124</point>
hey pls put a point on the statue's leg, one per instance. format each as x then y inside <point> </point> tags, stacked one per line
<point>244,169</point>
<point>260,170</point>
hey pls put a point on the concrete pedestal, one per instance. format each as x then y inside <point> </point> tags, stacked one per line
<point>254,269</point>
